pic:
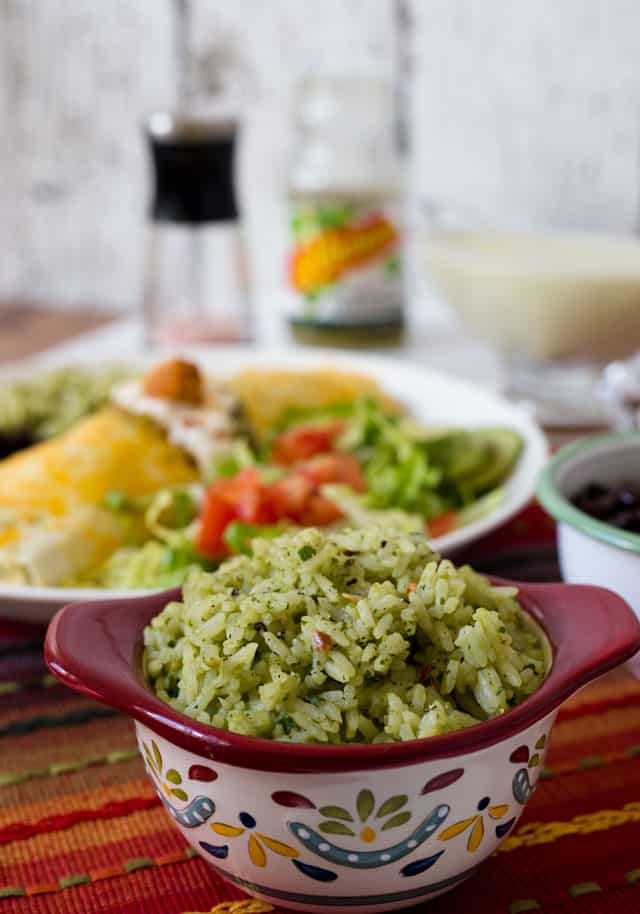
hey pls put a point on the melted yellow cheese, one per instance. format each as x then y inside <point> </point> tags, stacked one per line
<point>52,524</point>
<point>109,450</point>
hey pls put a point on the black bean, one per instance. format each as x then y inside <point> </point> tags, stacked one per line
<point>618,505</point>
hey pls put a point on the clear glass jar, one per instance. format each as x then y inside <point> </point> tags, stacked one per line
<point>195,282</point>
<point>346,207</point>
<point>557,306</point>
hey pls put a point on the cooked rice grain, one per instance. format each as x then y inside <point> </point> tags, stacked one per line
<point>319,637</point>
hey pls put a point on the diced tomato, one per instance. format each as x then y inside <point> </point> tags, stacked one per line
<point>334,467</point>
<point>321,642</point>
<point>244,497</point>
<point>305,441</point>
<point>290,494</point>
<point>442,523</point>
<point>250,495</point>
<point>319,511</point>
<point>216,515</point>
<point>296,496</point>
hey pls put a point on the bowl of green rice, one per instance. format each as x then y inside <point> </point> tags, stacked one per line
<point>343,701</point>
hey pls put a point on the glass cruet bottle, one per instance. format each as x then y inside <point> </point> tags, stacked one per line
<point>195,280</point>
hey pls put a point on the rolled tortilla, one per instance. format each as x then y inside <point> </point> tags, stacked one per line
<point>266,395</point>
<point>52,523</point>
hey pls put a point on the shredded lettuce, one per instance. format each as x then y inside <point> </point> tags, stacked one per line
<point>172,516</point>
<point>238,535</point>
<point>152,566</point>
<point>397,466</point>
<point>241,456</point>
<point>356,510</point>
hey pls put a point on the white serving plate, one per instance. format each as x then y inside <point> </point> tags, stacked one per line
<point>432,398</point>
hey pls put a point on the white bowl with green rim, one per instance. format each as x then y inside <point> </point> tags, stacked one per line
<point>591,551</point>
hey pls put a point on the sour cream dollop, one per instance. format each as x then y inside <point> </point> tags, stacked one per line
<point>205,430</point>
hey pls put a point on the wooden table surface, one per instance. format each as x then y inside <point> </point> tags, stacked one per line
<point>26,330</point>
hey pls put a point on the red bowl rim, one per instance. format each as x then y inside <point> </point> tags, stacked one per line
<point>95,648</point>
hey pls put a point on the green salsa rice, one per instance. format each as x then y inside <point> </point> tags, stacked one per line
<point>357,636</point>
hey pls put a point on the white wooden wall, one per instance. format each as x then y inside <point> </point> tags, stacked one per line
<point>526,113</point>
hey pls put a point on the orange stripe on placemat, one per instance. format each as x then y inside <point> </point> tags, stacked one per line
<point>39,750</point>
<point>70,880</point>
<point>96,795</point>
<point>143,887</point>
<point>58,769</point>
<point>604,704</point>
<point>97,841</point>
<point>42,889</point>
<point>148,836</point>
<point>18,831</point>
<point>586,762</point>
<point>611,727</point>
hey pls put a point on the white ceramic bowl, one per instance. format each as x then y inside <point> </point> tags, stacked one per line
<point>590,551</point>
<point>351,828</point>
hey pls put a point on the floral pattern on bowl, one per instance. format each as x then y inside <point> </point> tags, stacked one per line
<point>317,831</point>
<point>301,825</point>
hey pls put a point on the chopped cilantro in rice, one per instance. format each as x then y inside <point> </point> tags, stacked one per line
<point>322,637</point>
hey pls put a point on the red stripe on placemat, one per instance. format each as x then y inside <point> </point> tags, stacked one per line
<point>597,707</point>
<point>95,859</point>
<point>187,886</point>
<point>17,831</point>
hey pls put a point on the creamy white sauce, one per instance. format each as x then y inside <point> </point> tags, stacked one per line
<point>205,431</point>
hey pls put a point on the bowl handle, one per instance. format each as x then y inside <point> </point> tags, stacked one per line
<point>92,647</point>
<point>591,630</point>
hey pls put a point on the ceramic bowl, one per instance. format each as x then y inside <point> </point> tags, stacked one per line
<point>358,828</point>
<point>592,552</point>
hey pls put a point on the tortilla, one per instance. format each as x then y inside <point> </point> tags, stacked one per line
<point>266,395</point>
<point>52,523</point>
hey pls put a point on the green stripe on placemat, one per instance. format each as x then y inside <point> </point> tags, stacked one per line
<point>11,778</point>
<point>68,882</point>
<point>40,682</point>
<point>12,891</point>
<point>584,888</point>
<point>139,863</point>
<point>44,721</point>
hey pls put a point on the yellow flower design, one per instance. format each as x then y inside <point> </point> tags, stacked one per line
<point>258,843</point>
<point>153,758</point>
<point>476,825</point>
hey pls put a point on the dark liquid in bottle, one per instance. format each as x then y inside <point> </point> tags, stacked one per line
<point>193,173</point>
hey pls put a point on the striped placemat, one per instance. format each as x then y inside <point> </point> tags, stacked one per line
<point>81,829</point>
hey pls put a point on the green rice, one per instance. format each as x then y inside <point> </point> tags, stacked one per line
<point>321,637</point>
